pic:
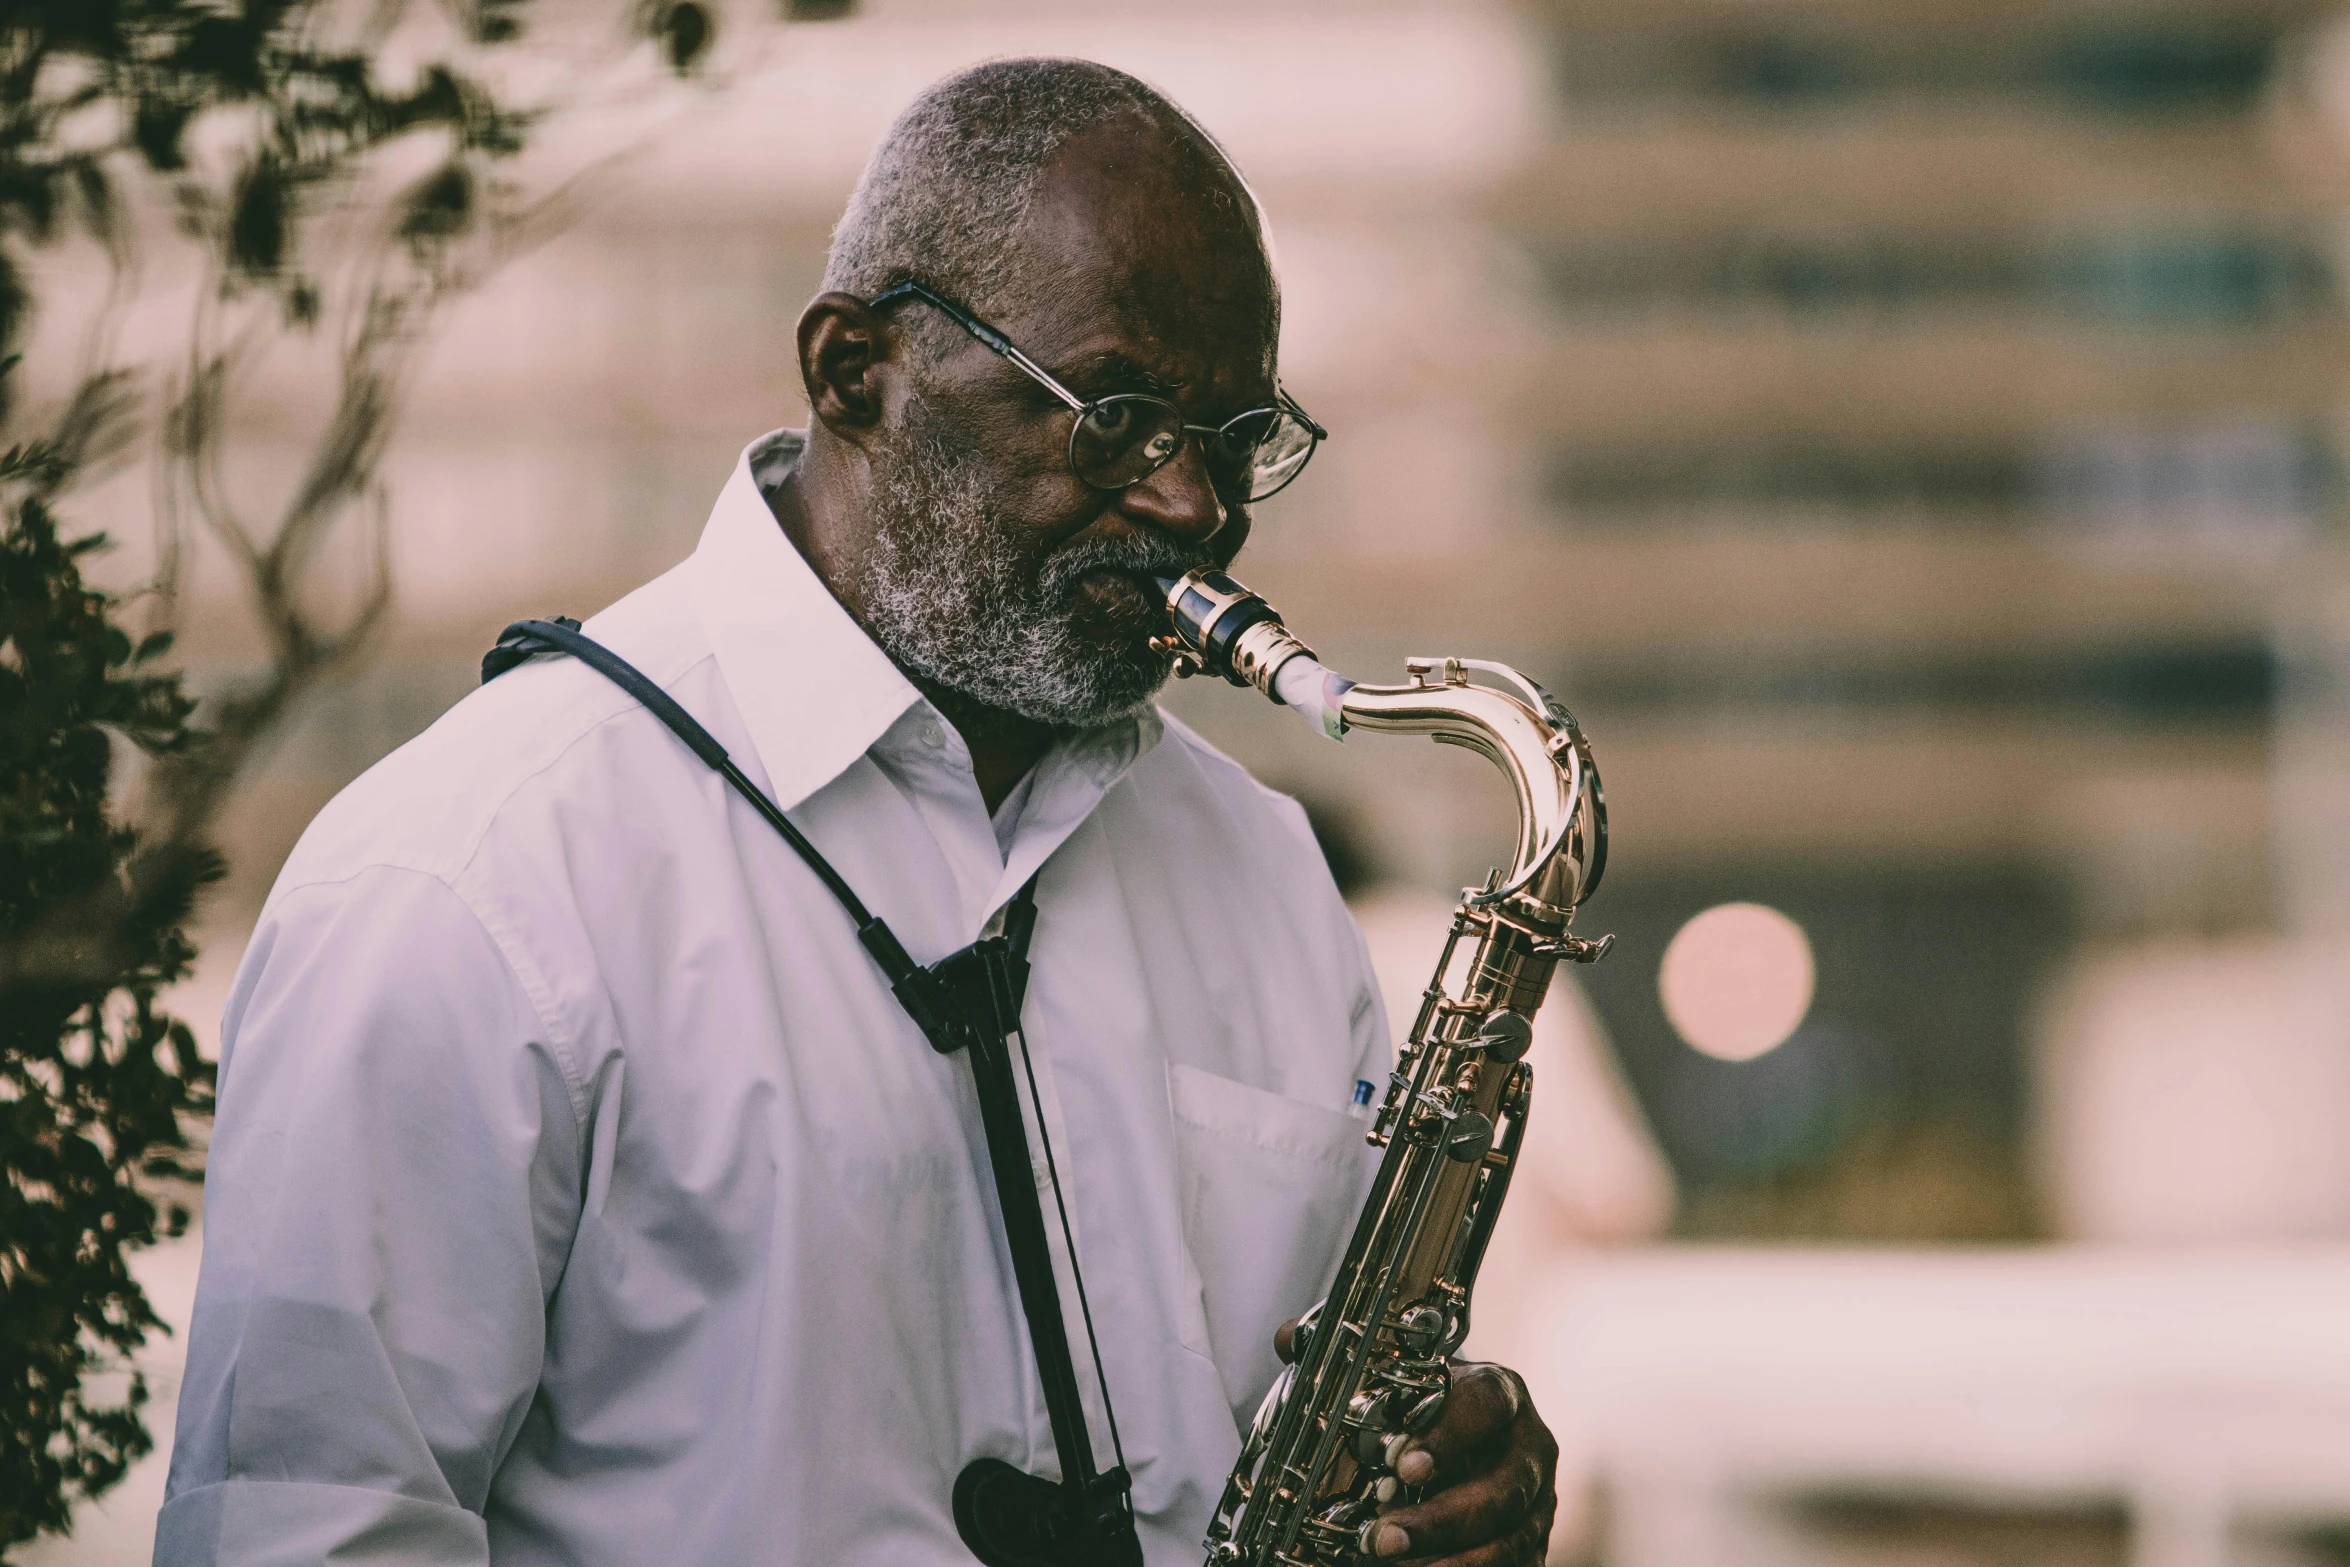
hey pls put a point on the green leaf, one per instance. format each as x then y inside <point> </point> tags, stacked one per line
<point>438,206</point>
<point>497,21</point>
<point>156,127</point>
<point>257,219</point>
<point>685,31</point>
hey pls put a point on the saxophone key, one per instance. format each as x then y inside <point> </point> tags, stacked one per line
<point>1421,1328</point>
<point>1469,1137</point>
<point>1505,1035</point>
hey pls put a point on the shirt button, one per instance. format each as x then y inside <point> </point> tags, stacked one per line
<point>932,736</point>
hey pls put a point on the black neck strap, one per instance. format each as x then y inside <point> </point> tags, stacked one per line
<point>970,1003</point>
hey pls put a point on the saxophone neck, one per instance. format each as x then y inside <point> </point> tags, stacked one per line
<point>1218,627</point>
<point>1561,847</point>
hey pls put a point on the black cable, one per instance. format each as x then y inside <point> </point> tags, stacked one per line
<point>562,635</point>
<point>1069,1239</point>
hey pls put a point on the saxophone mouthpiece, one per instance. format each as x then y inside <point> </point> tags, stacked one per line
<point>1218,627</point>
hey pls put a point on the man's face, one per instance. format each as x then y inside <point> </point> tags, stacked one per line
<point>991,568</point>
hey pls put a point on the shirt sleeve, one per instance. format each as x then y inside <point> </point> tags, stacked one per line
<point>393,1186</point>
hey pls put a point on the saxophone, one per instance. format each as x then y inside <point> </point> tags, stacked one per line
<point>1369,1366</point>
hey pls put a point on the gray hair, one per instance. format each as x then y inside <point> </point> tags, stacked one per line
<point>944,194</point>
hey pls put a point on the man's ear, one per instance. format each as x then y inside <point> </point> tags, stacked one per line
<point>842,345</point>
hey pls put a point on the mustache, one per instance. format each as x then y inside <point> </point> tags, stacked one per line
<point>1134,554</point>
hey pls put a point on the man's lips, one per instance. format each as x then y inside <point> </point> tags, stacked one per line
<point>1117,608</point>
<point>1122,591</point>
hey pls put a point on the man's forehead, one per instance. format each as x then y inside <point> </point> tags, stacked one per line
<point>1159,262</point>
<point>1100,320</point>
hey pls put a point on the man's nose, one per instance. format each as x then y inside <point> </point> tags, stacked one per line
<point>1177,497</point>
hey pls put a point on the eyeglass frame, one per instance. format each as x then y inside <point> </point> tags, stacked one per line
<point>1006,349</point>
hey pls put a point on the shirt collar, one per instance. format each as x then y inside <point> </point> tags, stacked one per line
<point>813,689</point>
<point>926,759</point>
<point>816,692</point>
<point>1067,784</point>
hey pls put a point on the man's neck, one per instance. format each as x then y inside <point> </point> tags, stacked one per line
<point>1003,746</point>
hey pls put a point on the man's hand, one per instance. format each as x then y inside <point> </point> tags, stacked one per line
<point>1489,1466</point>
<point>1490,1463</point>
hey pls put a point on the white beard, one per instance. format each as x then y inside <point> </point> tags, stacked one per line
<point>947,594</point>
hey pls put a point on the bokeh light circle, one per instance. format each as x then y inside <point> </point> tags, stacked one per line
<point>1736,980</point>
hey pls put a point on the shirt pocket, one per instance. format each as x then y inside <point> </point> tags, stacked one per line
<point>1269,1185</point>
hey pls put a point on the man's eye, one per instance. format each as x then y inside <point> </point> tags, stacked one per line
<point>1110,421</point>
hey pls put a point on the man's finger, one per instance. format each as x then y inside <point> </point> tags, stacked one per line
<point>1485,1401</point>
<point>1486,1508</point>
<point>1526,1548</point>
<point>1285,1340</point>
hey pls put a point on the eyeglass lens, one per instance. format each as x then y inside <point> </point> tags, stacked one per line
<point>1122,440</point>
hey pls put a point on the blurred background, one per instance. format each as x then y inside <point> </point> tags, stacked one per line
<point>1909,435</point>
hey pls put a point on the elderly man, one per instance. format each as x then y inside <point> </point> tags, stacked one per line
<point>581,1194</point>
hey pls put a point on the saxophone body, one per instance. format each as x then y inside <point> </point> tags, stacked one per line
<point>1370,1365</point>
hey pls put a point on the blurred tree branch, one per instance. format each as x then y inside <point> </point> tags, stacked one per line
<point>322,203</point>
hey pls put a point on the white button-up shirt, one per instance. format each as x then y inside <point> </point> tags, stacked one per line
<point>581,1194</point>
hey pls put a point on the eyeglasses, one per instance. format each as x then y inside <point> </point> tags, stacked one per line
<point>1123,439</point>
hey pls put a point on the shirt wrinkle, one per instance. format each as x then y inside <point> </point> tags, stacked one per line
<point>247,1481</point>
<point>454,860</point>
<point>508,952</point>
